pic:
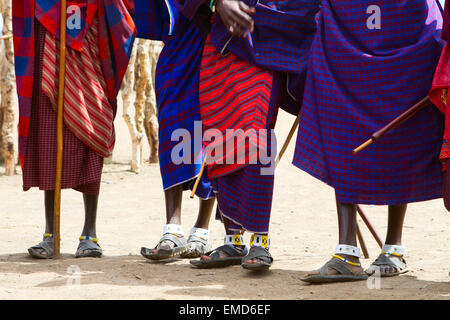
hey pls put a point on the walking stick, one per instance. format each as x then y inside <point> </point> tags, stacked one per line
<point>361,213</point>
<point>408,114</point>
<point>199,177</point>
<point>361,241</point>
<point>288,140</point>
<point>369,226</point>
<point>59,129</point>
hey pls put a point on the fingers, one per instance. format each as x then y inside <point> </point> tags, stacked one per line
<point>243,19</point>
<point>244,7</point>
<point>237,30</point>
<point>236,16</point>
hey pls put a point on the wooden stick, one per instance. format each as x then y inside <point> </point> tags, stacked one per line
<point>59,128</point>
<point>362,242</point>
<point>288,140</point>
<point>199,177</point>
<point>405,116</point>
<point>364,145</point>
<point>369,226</point>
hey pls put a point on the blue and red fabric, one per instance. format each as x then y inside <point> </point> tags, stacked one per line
<point>237,95</point>
<point>359,80</point>
<point>281,41</point>
<point>441,84</point>
<point>233,95</point>
<point>176,87</point>
<point>243,81</point>
<point>116,37</point>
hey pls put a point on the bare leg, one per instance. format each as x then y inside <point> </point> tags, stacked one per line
<point>89,247</point>
<point>90,206</point>
<point>90,212</point>
<point>173,198</point>
<point>396,217</point>
<point>204,213</point>
<point>49,209</point>
<point>347,233</point>
<point>45,248</point>
<point>226,224</point>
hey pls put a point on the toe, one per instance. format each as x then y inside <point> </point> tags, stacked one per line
<point>206,258</point>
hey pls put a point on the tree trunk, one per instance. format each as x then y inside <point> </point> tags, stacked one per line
<point>7,84</point>
<point>151,119</point>
<point>127,89</point>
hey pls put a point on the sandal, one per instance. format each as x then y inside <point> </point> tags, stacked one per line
<point>172,233</point>
<point>259,249</point>
<point>46,245</point>
<point>197,243</point>
<point>341,265</point>
<point>233,246</point>
<point>88,247</point>
<point>391,256</point>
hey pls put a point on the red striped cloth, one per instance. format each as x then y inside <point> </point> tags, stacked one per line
<point>87,110</point>
<point>233,95</point>
<point>82,167</point>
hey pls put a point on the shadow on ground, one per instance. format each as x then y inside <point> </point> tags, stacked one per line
<point>181,279</point>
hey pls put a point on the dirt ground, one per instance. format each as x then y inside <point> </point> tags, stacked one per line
<point>131,215</point>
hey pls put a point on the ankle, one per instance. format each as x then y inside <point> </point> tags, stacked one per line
<point>89,233</point>
<point>348,252</point>
<point>350,258</point>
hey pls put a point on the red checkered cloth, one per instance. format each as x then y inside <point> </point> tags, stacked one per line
<point>82,167</point>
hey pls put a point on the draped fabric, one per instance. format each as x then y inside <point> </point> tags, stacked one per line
<point>116,36</point>
<point>81,167</point>
<point>234,95</point>
<point>441,83</point>
<point>284,31</point>
<point>87,110</point>
<point>238,96</point>
<point>360,78</point>
<point>176,88</point>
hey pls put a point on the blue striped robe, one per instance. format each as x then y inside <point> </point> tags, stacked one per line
<point>359,80</point>
<point>176,87</point>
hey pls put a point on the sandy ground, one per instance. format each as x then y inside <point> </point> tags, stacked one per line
<point>131,215</point>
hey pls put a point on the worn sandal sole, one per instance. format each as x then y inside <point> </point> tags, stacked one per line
<point>388,275</point>
<point>89,254</point>
<point>34,254</point>
<point>216,263</point>
<point>331,279</point>
<point>256,267</point>
<point>163,254</point>
<point>193,251</point>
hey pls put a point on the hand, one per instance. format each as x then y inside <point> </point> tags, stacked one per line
<point>236,16</point>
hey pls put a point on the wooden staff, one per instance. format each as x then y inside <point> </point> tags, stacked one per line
<point>59,129</point>
<point>408,114</point>
<point>369,226</point>
<point>361,241</point>
<point>361,213</point>
<point>288,140</point>
<point>197,181</point>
